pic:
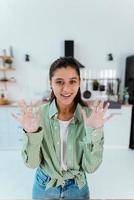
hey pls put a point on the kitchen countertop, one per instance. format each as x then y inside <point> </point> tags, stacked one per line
<point>14,104</point>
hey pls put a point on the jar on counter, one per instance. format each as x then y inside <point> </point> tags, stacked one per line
<point>126,96</point>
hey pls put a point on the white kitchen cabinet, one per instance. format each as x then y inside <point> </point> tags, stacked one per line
<point>117,129</point>
<point>10,130</point>
<point>16,179</point>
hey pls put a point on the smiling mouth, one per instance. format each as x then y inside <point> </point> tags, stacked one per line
<point>66,95</point>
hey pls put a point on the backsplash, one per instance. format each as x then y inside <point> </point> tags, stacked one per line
<point>33,84</point>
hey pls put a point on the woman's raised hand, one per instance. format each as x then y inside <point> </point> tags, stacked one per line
<point>28,118</point>
<point>97,117</point>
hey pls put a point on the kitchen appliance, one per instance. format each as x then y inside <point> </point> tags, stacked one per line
<point>87,93</point>
<point>69,48</point>
<point>129,82</point>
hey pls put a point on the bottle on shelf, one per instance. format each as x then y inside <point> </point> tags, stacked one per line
<point>2,95</point>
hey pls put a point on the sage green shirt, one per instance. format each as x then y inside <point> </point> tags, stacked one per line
<point>84,147</point>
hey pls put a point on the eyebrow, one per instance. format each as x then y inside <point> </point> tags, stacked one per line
<point>73,78</point>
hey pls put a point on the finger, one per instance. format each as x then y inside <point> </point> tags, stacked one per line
<point>108,118</point>
<point>106,107</point>
<point>29,108</point>
<point>101,104</point>
<point>36,106</point>
<point>100,107</point>
<point>38,117</point>
<point>84,114</point>
<point>95,105</point>
<point>37,103</point>
<point>25,108</point>
<point>22,106</point>
<point>22,103</point>
<point>15,117</point>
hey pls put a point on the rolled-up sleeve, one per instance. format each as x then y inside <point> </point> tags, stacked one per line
<point>92,149</point>
<point>31,151</point>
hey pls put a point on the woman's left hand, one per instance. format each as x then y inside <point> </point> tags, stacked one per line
<point>97,118</point>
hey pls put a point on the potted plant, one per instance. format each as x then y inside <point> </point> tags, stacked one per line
<point>8,61</point>
<point>95,85</point>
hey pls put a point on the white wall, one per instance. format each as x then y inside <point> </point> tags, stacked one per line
<point>40,27</point>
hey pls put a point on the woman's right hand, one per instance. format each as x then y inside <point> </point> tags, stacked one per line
<point>28,118</point>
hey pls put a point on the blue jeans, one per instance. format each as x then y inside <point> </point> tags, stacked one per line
<point>70,190</point>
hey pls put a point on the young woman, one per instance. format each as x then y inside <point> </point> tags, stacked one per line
<point>63,140</point>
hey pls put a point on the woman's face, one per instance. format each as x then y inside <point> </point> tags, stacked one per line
<point>65,84</point>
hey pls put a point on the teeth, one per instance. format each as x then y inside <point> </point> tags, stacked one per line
<point>66,95</point>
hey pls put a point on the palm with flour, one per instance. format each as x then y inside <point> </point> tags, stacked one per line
<point>28,119</point>
<point>97,117</point>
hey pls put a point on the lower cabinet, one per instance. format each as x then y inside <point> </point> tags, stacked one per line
<point>117,129</point>
<point>10,130</point>
<point>16,180</point>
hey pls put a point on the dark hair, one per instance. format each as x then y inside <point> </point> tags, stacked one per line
<point>64,62</point>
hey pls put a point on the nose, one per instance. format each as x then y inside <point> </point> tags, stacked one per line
<point>66,87</point>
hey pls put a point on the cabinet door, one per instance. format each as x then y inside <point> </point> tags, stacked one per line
<point>3,129</point>
<point>117,129</point>
<point>15,130</point>
<point>10,130</point>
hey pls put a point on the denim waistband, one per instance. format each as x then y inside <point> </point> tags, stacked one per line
<point>69,175</point>
<point>45,175</point>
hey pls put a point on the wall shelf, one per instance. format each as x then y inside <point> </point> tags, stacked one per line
<point>8,81</point>
<point>7,69</point>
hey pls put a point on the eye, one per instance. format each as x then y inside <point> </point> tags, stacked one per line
<point>59,82</point>
<point>72,82</point>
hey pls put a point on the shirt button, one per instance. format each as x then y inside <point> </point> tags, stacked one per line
<point>58,143</point>
<point>55,127</point>
<point>63,184</point>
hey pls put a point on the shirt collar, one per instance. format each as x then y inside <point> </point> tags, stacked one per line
<point>53,111</point>
<point>77,113</point>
